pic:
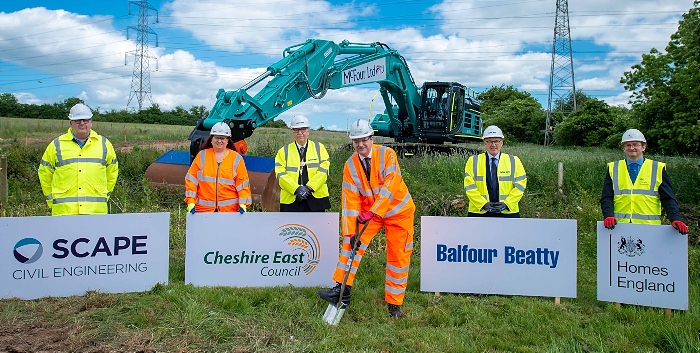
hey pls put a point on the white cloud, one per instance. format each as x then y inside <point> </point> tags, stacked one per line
<point>621,99</point>
<point>480,44</point>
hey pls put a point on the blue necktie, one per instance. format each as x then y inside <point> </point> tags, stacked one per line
<point>634,171</point>
<point>494,180</point>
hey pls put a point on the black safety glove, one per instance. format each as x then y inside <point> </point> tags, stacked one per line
<point>352,242</point>
<point>308,191</point>
<point>301,192</point>
<point>498,206</point>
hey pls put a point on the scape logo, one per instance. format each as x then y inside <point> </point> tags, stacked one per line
<point>304,240</point>
<point>28,250</point>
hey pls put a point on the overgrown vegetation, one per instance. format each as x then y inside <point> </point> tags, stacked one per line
<point>182,318</point>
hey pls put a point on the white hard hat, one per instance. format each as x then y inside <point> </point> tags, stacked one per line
<point>220,129</point>
<point>299,121</point>
<point>492,131</point>
<point>633,135</point>
<point>80,111</point>
<point>360,129</point>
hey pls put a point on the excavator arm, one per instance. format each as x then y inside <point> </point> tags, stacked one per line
<point>309,70</point>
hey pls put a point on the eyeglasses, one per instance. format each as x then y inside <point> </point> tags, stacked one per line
<point>82,121</point>
<point>300,130</point>
<point>361,140</point>
<point>220,138</point>
<point>633,144</point>
<point>493,142</point>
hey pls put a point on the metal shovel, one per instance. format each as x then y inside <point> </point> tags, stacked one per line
<point>335,312</point>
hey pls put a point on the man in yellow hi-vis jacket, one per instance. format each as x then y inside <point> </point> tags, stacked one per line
<point>636,188</point>
<point>79,169</point>
<point>493,181</point>
<point>302,168</point>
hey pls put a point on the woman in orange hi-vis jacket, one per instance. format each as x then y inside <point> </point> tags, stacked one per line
<point>217,180</point>
<point>374,191</point>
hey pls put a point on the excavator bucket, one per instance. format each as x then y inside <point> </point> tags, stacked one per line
<point>171,168</point>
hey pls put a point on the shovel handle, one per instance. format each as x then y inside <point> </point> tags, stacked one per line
<point>358,234</point>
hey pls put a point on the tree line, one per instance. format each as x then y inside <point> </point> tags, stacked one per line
<point>10,107</point>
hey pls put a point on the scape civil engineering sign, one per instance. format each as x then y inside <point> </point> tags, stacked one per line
<point>643,265</point>
<point>523,256</point>
<point>259,249</point>
<point>69,255</point>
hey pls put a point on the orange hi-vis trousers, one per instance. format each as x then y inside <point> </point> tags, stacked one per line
<point>399,246</point>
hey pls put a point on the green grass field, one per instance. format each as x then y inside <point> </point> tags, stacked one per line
<point>181,318</point>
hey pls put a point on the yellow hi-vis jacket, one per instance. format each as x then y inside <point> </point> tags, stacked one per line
<point>288,167</point>
<point>638,202</point>
<point>512,181</point>
<point>78,180</point>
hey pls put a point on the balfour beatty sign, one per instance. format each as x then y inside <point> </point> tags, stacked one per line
<point>499,256</point>
<point>63,256</point>
<point>644,265</point>
<point>261,249</point>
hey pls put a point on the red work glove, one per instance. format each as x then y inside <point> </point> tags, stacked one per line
<point>364,217</point>
<point>682,228</point>
<point>610,222</point>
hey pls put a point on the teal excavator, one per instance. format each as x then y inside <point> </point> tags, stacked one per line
<point>422,117</point>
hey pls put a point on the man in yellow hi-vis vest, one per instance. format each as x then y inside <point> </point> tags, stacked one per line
<point>79,169</point>
<point>493,181</point>
<point>636,188</point>
<point>302,168</point>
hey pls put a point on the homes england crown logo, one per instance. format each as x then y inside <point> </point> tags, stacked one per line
<point>630,246</point>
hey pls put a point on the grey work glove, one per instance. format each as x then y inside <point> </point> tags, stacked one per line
<point>302,192</point>
<point>494,207</point>
<point>309,192</point>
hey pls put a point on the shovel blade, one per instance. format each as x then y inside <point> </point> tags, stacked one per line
<point>334,313</point>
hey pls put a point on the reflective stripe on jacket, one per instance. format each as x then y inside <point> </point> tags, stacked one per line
<point>287,168</point>
<point>78,180</point>
<point>211,185</point>
<point>638,202</point>
<point>512,182</point>
<point>386,195</point>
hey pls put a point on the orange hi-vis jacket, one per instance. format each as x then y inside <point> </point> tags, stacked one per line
<point>213,186</point>
<point>387,196</point>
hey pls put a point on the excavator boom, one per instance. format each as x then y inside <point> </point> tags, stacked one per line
<point>434,113</point>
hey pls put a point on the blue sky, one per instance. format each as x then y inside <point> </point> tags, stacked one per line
<point>53,50</point>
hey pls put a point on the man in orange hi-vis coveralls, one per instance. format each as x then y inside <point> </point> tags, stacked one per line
<point>217,180</point>
<point>374,192</point>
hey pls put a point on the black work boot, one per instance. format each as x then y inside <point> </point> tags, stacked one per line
<point>332,295</point>
<point>395,311</point>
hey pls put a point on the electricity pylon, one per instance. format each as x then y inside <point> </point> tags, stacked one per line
<point>561,77</point>
<point>141,79</point>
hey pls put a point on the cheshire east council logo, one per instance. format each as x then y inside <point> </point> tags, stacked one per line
<point>302,239</point>
<point>28,250</point>
<point>630,246</point>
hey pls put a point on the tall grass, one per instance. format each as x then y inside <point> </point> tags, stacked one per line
<point>180,317</point>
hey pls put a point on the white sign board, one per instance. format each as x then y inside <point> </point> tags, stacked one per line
<point>69,255</point>
<point>258,249</point>
<point>515,256</point>
<point>372,71</point>
<point>644,265</point>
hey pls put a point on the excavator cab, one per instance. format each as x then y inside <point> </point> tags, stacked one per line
<point>446,114</point>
